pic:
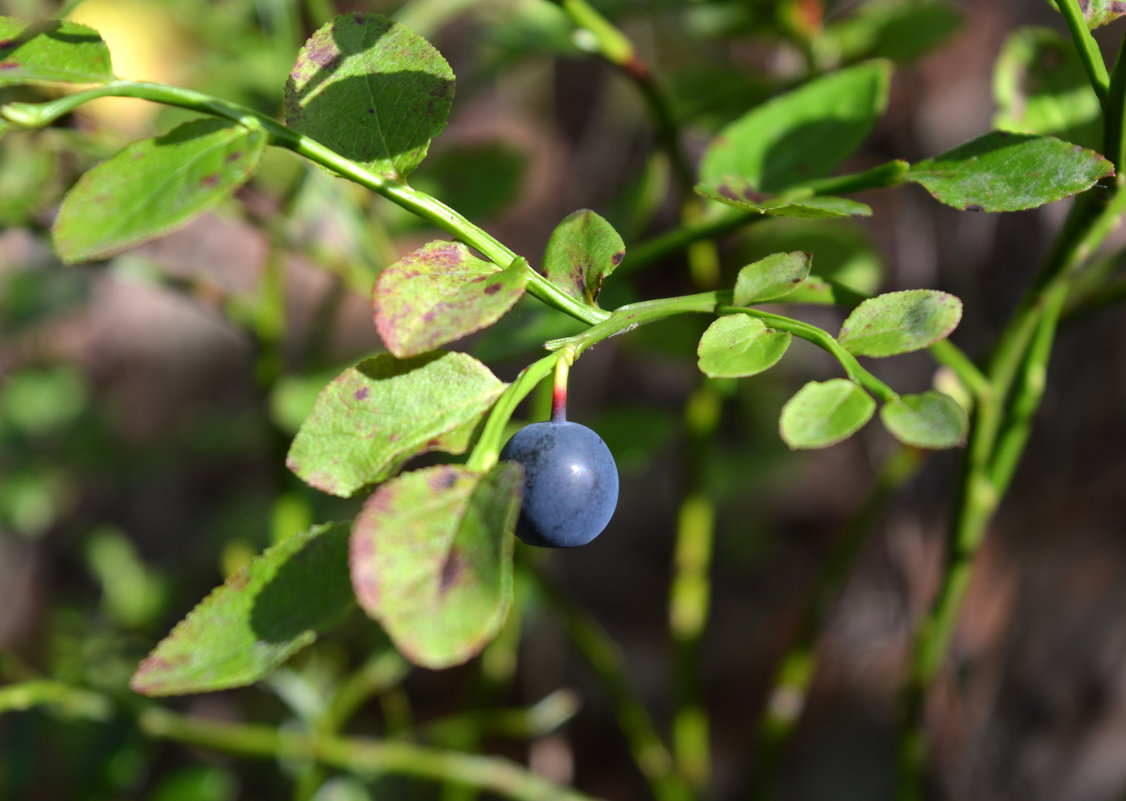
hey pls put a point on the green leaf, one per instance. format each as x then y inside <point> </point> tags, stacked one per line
<point>1099,12</point>
<point>378,414</point>
<point>824,413</point>
<point>432,559</point>
<point>440,293</point>
<point>738,345</point>
<point>1003,171</point>
<point>154,186</point>
<point>803,134</point>
<point>582,251</point>
<point>1041,87</point>
<point>928,420</point>
<point>739,193</point>
<point>901,30</point>
<point>773,277</point>
<point>50,52</point>
<point>372,90</point>
<point>900,322</point>
<point>59,698</point>
<point>264,613</point>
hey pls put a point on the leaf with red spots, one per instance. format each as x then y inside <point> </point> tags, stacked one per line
<point>154,186</point>
<point>582,251</point>
<point>803,134</point>
<point>439,293</point>
<point>431,557</point>
<point>56,51</point>
<point>372,90</point>
<point>381,412</point>
<point>267,611</point>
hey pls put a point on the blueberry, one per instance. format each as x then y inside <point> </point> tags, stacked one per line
<point>570,483</point>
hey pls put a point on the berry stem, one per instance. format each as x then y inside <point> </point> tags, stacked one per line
<point>559,393</point>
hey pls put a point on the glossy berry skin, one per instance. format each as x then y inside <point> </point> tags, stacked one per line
<point>570,483</point>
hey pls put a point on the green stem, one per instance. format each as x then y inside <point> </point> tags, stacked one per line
<point>488,445</point>
<point>361,756</point>
<point>708,227</point>
<point>1086,46</point>
<point>419,203</point>
<point>690,591</point>
<point>824,340</point>
<point>628,317</point>
<point>973,379</point>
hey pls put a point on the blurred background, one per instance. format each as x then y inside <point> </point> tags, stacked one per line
<point>146,404</point>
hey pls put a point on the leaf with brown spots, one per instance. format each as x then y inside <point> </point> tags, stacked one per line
<point>154,186</point>
<point>267,611</point>
<point>737,192</point>
<point>582,251</point>
<point>431,556</point>
<point>381,412</point>
<point>372,90</point>
<point>56,51</point>
<point>440,293</point>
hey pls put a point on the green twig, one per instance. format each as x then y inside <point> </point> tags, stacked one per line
<point>824,340</point>
<point>1086,46</point>
<point>361,756</point>
<point>690,590</point>
<point>488,446</point>
<point>419,203</point>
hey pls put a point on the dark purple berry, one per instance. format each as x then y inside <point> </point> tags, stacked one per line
<point>570,483</point>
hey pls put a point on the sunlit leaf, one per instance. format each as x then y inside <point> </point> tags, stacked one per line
<point>154,186</point>
<point>52,51</point>
<point>824,413</point>
<point>771,278</point>
<point>582,251</point>
<point>900,322</point>
<point>372,90</point>
<point>431,558</point>
<point>374,416</point>
<point>440,293</point>
<point>738,345</point>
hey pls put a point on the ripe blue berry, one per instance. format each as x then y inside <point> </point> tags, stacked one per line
<point>570,483</point>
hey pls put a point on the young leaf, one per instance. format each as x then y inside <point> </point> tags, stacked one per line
<point>1099,12</point>
<point>372,90</point>
<point>773,277</point>
<point>803,134</point>
<point>1003,171</point>
<point>582,251</point>
<point>738,192</point>
<point>431,558</point>
<point>900,322</point>
<point>440,293</point>
<point>376,415</point>
<point>824,413</point>
<point>154,186</point>
<point>50,52</point>
<point>928,420</point>
<point>267,611</point>
<point>1040,86</point>
<point>738,345</point>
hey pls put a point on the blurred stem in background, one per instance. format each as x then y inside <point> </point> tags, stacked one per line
<point>1003,416</point>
